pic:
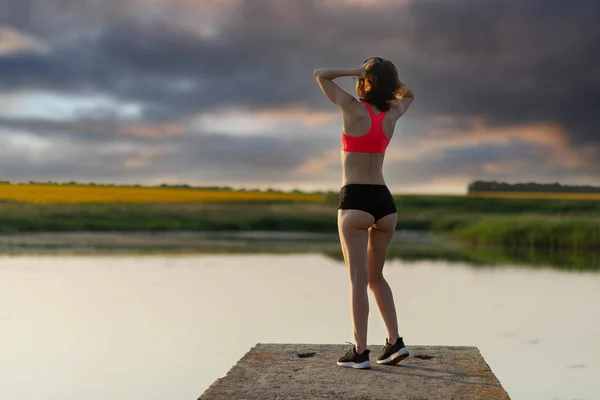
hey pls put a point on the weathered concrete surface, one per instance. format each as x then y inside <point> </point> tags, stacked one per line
<point>275,371</point>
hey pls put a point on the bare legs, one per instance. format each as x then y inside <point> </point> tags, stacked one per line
<point>380,237</point>
<point>365,250</point>
<point>353,226</point>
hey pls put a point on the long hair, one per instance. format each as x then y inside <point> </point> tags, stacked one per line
<point>380,86</point>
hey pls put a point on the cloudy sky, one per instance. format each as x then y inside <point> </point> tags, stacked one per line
<point>221,92</point>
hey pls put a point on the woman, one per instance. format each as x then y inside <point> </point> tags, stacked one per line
<point>367,213</point>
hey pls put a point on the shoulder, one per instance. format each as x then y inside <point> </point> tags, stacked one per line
<point>353,107</point>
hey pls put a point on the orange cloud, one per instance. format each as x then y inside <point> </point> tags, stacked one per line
<point>152,130</point>
<point>316,165</point>
<point>12,41</point>
<point>142,158</point>
<point>453,132</point>
<point>509,167</point>
<point>241,121</point>
<point>297,114</point>
<point>157,130</point>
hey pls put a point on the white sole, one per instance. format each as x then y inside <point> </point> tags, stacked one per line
<point>395,357</point>
<point>350,364</point>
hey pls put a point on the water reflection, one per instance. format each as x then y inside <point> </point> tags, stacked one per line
<point>406,247</point>
<point>494,257</point>
<point>160,327</point>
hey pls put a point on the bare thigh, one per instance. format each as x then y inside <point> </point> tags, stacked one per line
<point>380,236</point>
<point>353,226</point>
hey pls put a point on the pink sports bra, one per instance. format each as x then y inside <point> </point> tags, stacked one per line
<point>374,141</point>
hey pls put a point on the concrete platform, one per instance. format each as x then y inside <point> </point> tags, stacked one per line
<point>305,371</point>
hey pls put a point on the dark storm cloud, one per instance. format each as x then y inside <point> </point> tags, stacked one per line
<point>263,55</point>
<point>512,61</point>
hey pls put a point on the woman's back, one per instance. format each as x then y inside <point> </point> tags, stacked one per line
<point>368,124</point>
<point>366,133</point>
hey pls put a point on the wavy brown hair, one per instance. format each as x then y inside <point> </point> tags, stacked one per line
<point>380,86</point>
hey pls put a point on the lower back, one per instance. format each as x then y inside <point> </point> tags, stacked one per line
<point>365,168</point>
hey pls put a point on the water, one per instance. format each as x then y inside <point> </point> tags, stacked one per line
<point>165,327</point>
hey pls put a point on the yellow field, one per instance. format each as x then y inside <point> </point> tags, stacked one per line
<point>534,195</point>
<point>107,194</point>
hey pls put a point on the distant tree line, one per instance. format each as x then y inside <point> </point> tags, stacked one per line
<point>494,186</point>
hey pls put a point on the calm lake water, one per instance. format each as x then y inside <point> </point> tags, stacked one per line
<point>165,327</point>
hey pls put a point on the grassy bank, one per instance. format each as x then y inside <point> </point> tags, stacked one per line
<point>290,216</point>
<point>540,223</point>
<point>408,248</point>
<point>571,234</point>
<point>19,217</point>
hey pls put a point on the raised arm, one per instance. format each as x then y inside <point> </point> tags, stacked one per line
<point>331,90</point>
<point>407,98</point>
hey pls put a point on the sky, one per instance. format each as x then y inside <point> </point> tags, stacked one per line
<point>221,92</point>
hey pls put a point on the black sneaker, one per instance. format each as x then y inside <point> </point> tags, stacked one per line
<point>353,360</point>
<point>393,353</point>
